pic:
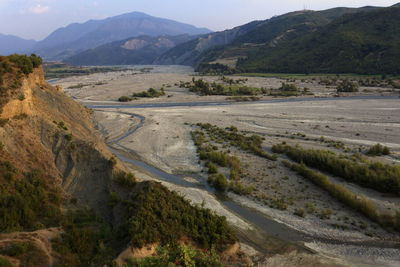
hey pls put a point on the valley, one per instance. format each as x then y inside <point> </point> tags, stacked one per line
<point>153,136</point>
<point>236,135</point>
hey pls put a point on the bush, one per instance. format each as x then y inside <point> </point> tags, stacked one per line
<point>240,189</point>
<point>124,99</point>
<point>3,122</point>
<point>300,212</point>
<point>289,87</point>
<point>125,179</point>
<point>347,86</point>
<point>219,182</point>
<point>212,169</point>
<point>378,150</point>
<point>150,93</point>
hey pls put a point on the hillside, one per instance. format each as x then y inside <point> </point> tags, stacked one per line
<point>75,38</point>
<point>189,53</point>
<point>247,38</point>
<point>10,44</point>
<point>139,50</point>
<point>365,43</point>
<point>66,200</point>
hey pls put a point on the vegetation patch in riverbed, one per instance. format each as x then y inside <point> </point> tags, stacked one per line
<point>357,202</point>
<point>381,177</point>
<point>151,93</point>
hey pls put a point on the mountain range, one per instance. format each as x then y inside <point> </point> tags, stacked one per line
<point>10,44</point>
<point>362,40</point>
<point>138,50</point>
<point>74,38</point>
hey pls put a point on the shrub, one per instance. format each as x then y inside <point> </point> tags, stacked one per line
<point>347,86</point>
<point>219,182</point>
<point>124,99</point>
<point>125,179</point>
<point>240,189</point>
<point>68,137</point>
<point>300,212</point>
<point>150,93</point>
<point>378,150</point>
<point>212,169</point>
<point>3,122</point>
<point>23,63</point>
<point>288,87</point>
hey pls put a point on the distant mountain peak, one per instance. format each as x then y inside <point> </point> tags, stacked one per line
<point>75,38</point>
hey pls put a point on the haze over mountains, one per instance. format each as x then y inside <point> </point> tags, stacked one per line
<point>74,38</point>
<point>259,46</point>
<point>10,44</point>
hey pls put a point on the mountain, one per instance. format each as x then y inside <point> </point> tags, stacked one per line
<point>75,38</point>
<point>140,50</point>
<point>10,44</point>
<point>272,32</point>
<point>189,53</point>
<point>365,43</point>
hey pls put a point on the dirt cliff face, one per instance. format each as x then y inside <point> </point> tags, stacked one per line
<point>47,130</point>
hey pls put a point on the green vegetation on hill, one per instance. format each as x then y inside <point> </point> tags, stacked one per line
<point>364,42</point>
<point>23,63</point>
<point>27,201</point>
<point>153,215</point>
<point>159,215</point>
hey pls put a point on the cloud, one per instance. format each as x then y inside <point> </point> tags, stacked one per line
<point>39,9</point>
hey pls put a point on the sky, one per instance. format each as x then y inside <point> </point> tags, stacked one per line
<point>36,19</point>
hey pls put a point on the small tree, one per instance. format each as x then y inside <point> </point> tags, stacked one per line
<point>347,86</point>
